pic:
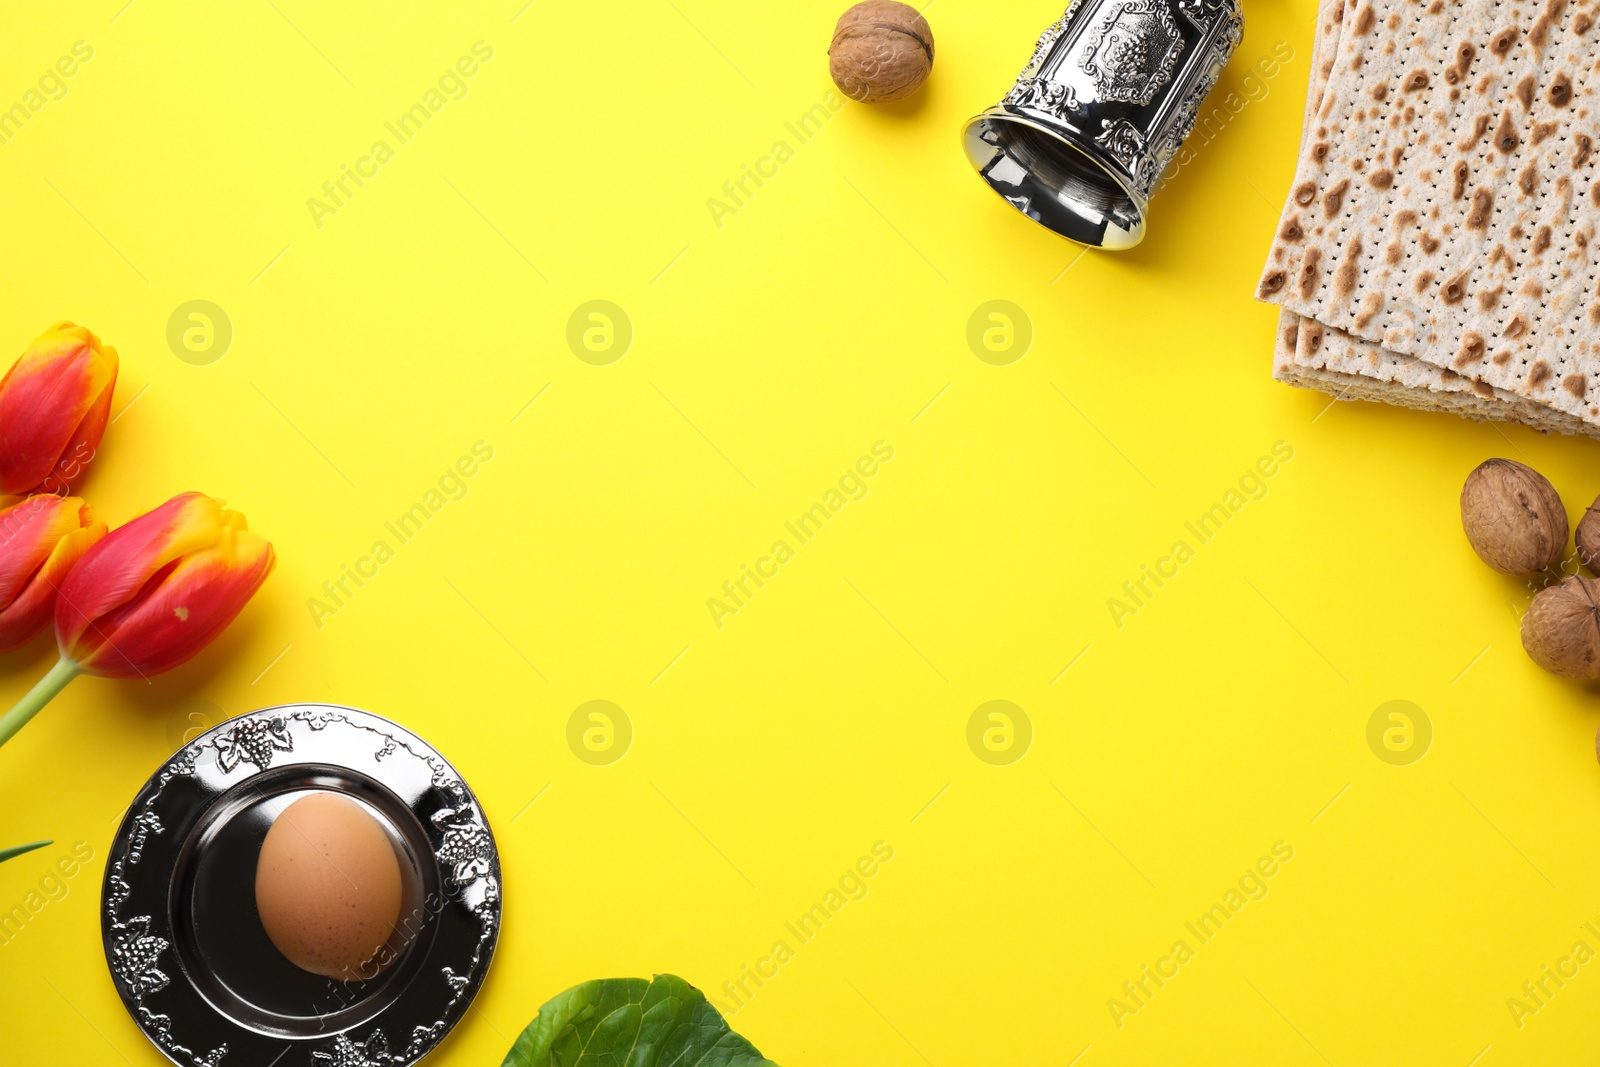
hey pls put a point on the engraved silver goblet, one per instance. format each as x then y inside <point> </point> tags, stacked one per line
<point>1080,143</point>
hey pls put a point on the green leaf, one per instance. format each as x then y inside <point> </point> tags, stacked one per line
<point>630,1022</point>
<point>11,853</point>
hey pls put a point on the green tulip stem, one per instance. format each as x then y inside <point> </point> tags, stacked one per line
<point>63,672</point>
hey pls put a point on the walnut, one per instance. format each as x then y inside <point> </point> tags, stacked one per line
<point>881,51</point>
<point>1588,537</point>
<point>1561,631</point>
<point>1513,517</point>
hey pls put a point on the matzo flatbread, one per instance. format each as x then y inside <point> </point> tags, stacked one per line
<point>1313,356</point>
<point>1362,358</point>
<point>1378,363</point>
<point>1497,283</point>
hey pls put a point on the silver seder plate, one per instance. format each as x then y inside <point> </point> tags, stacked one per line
<point>184,942</point>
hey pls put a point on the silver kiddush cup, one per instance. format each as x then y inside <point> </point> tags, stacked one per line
<point>1081,141</point>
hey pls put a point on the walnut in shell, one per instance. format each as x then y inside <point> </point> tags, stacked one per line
<point>881,51</point>
<point>1588,537</point>
<point>1561,631</point>
<point>1513,517</point>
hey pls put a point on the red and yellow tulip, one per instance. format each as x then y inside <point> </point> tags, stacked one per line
<point>54,404</point>
<point>150,595</point>
<point>41,537</point>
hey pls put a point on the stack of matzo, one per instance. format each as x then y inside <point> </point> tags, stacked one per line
<point>1437,248</point>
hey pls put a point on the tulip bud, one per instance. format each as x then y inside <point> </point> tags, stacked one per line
<point>151,594</point>
<point>148,596</point>
<point>41,537</point>
<point>54,403</point>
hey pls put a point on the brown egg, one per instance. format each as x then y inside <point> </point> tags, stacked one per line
<point>328,887</point>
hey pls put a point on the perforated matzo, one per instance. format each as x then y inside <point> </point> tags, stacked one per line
<point>1489,273</point>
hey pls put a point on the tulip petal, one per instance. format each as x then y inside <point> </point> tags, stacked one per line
<point>85,442</point>
<point>30,610</point>
<point>179,610</point>
<point>116,569</point>
<point>44,399</point>
<point>29,532</point>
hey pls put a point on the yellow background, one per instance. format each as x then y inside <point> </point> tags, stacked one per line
<point>828,313</point>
